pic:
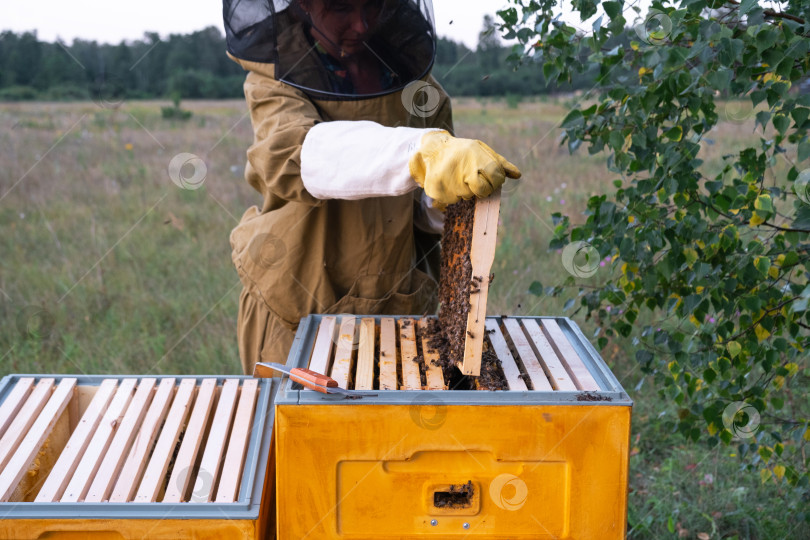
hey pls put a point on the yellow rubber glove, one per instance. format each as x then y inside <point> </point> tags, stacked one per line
<point>450,169</point>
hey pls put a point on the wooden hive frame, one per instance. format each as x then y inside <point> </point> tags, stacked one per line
<point>388,353</point>
<point>115,441</point>
<point>468,251</point>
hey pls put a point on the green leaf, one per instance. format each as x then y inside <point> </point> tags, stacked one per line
<point>734,348</point>
<point>644,357</point>
<point>766,38</point>
<point>747,5</point>
<point>586,8</point>
<point>802,220</point>
<point>674,133</point>
<point>690,302</point>
<point>762,118</point>
<point>623,328</point>
<point>713,187</point>
<point>784,67</point>
<point>779,91</point>
<point>616,140</point>
<point>751,303</point>
<point>762,264</point>
<point>612,9</point>
<point>764,203</point>
<point>800,115</point>
<point>573,119</point>
<point>729,50</point>
<point>550,71</point>
<point>804,150</point>
<point>536,288</point>
<point>792,174</point>
<point>691,256</point>
<point>509,16</point>
<point>720,79</point>
<point>781,123</point>
<point>765,452</point>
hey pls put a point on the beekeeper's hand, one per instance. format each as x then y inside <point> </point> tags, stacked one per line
<point>449,168</point>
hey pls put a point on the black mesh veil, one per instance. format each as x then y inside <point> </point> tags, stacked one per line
<point>399,40</point>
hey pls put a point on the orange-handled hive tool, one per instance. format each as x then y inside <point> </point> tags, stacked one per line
<point>310,379</point>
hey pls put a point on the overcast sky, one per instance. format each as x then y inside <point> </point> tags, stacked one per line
<point>111,21</point>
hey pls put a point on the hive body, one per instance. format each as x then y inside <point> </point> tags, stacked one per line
<point>136,457</point>
<point>540,460</point>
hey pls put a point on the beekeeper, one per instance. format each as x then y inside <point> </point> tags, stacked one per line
<point>354,158</point>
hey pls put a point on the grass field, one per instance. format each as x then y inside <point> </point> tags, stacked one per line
<point>122,271</point>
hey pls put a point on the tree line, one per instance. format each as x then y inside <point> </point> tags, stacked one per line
<point>194,66</point>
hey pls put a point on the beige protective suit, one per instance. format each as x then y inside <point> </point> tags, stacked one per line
<point>297,254</point>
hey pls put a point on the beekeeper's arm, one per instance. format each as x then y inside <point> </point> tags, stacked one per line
<point>297,157</point>
<point>281,116</point>
<point>359,159</point>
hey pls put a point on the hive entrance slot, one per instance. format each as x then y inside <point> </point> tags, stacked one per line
<point>455,496</point>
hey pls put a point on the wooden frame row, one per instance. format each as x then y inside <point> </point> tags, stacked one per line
<point>363,355</point>
<point>122,447</point>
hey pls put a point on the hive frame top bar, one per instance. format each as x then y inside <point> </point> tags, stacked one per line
<point>250,493</point>
<point>611,392</point>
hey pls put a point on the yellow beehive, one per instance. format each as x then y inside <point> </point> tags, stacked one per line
<point>547,458</point>
<point>135,457</point>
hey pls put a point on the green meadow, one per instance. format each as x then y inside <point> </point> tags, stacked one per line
<point>108,267</point>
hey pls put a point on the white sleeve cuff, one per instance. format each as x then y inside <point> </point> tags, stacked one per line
<point>358,159</point>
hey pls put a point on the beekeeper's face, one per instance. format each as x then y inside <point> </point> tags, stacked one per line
<point>343,25</point>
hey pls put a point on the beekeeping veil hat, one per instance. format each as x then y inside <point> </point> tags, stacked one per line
<point>279,32</point>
